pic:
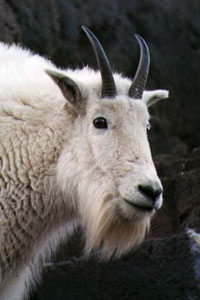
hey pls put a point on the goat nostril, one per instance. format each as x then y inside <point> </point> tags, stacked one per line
<point>150,191</point>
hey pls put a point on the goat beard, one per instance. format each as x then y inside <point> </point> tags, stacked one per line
<point>106,233</point>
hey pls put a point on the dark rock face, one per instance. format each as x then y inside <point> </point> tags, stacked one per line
<point>181,180</point>
<point>161,269</point>
<point>171,29</point>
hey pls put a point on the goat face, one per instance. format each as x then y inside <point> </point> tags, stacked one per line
<point>106,166</point>
<point>116,136</point>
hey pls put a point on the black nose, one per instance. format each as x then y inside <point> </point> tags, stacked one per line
<point>152,192</point>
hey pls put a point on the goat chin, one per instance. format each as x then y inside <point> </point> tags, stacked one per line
<point>116,240</point>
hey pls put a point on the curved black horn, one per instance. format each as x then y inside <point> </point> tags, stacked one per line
<point>108,83</point>
<point>139,81</point>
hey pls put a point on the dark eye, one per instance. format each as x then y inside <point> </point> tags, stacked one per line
<point>100,123</point>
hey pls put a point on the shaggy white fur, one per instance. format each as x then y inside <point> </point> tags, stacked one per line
<point>58,170</point>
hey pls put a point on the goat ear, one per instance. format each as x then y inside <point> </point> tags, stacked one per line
<point>151,97</point>
<point>68,87</point>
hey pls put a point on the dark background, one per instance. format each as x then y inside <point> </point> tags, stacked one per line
<point>163,268</point>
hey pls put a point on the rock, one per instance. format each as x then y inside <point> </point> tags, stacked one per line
<point>195,153</point>
<point>9,27</point>
<point>161,269</point>
<point>181,181</point>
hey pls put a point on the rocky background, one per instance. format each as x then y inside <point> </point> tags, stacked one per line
<point>165,268</point>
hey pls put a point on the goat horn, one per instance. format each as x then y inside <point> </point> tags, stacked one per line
<point>108,83</point>
<point>137,87</point>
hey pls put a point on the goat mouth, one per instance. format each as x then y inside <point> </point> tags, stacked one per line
<point>141,208</point>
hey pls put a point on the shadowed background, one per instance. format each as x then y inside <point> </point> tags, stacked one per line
<point>172,31</point>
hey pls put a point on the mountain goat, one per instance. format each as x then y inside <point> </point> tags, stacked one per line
<point>73,151</point>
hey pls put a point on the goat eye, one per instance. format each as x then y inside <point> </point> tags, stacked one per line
<point>100,123</point>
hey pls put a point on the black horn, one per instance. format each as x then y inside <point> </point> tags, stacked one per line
<point>108,83</point>
<point>139,81</point>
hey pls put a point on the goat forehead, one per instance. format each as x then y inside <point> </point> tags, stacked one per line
<point>122,108</point>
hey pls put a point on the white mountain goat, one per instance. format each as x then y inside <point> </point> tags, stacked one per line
<point>74,152</point>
